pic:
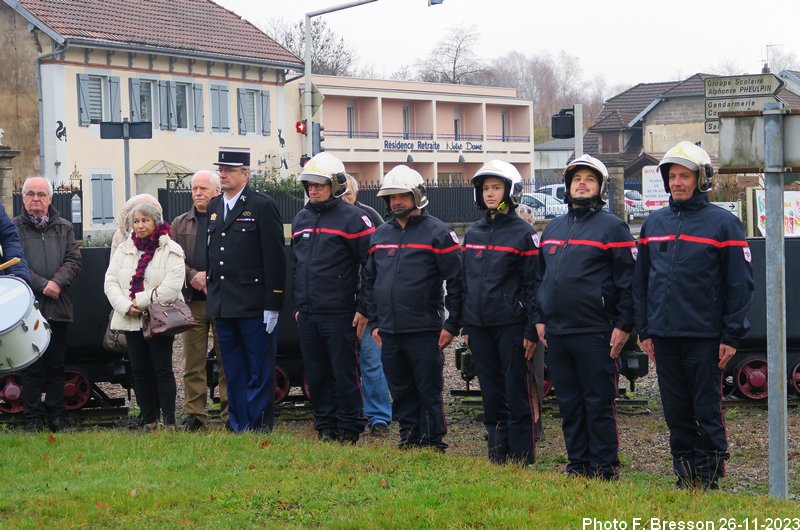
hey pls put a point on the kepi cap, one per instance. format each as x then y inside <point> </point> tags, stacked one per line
<point>233,156</point>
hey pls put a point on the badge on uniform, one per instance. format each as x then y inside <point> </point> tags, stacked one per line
<point>553,249</point>
<point>634,253</point>
<point>214,216</point>
<point>366,221</point>
<point>454,237</point>
<point>535,239</point>
<point>747,255</point>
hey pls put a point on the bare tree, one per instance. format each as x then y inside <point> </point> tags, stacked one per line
<point>331,55</point>
<point>454,60</point>
<point>779,60</point>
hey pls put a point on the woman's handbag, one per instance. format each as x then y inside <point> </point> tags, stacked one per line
<point>113,339</point>
<point>166,320</point>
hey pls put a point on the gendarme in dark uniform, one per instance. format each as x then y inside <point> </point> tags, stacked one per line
<point>246,275</point>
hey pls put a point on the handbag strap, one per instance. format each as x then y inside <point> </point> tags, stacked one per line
<point>153,293</point>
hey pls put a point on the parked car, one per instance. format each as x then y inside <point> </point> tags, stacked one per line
<point>634,204</point>
<point>543,206</point>
<point>557,191</point>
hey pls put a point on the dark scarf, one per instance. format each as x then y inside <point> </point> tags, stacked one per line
<point>39,221</point>
<point>148,246</point>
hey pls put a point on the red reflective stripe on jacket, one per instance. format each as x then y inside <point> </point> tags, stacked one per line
<point>656,239</point>
<point>714,242</point>
<point>511,250</point>
<point>432,248</point>
<point>590,243</point>
<point>558,242</point>
<point>363,233</point>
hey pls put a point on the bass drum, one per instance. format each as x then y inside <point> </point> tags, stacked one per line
<point>24,333</point>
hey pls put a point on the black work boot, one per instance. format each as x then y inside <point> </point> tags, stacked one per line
<point>59,424</point>
<point>34,425</point>
<point>348,437</point>
<point>327,435</point>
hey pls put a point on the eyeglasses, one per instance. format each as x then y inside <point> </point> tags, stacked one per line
<point>38,195</point>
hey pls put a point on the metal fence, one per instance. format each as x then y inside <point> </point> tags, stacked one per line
<point>67,200</point>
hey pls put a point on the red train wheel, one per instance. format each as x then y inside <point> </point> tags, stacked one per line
<point>794,377</point>
<point>11,393</point>
<point>281,385</point>
<point>77,390</point>
<point>751,378</point>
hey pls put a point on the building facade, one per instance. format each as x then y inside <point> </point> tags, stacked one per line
<point>197,73</point>
<point>445,132</point>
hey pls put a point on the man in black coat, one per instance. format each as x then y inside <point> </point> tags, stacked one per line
<point>55,261</point>
<point>245,282</point>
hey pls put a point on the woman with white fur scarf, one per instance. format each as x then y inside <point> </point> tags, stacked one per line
<point>148,266</point>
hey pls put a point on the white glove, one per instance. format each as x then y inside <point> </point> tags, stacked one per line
<point>271,320</point>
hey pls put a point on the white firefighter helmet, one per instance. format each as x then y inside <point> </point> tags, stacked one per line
<point>503,171</point>
<point>593,164</point>
<point>690,156</point>
<point>402,179</point>
<point>324,168</point>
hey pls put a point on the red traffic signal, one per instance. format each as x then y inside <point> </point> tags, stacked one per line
<point>301,127</point>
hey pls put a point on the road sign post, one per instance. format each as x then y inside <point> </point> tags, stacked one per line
<point>124,130</point>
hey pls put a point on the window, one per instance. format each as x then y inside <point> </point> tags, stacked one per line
<point>254,111</point>
<point>504,125</point>
<point>406,122</point>
<point>457,129</point>
<point>351,119</point>
<point>220,120</point>
<point>182,105</point>
<point>141,100</point>
<point>609,142</point>
<point>98,99</point>
<point>102,198</point>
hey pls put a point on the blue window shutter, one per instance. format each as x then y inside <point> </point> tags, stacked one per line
<point>215,110</point>
<point>224,110</point>
<point>240,106</point>
<point>114,103</point>
<point>163,105</point>
<point>199,115</point>
<point>133,96</point>
<point>102,198</point>
<point>266,125</point>
<point>83,100</point>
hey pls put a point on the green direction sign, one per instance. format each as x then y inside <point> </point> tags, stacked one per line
<point>743,86</point>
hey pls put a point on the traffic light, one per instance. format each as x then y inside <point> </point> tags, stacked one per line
<point>316,137</point>
<point>301,127</point>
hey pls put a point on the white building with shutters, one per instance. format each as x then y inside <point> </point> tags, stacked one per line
<point>202,76</point>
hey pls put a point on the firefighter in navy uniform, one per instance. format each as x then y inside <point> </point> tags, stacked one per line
<point>499,267</point>
<point>693,288</point>
<point>245,281</point>
<point>583,282</point>
<point>330,241</point>
<point>410,256</point>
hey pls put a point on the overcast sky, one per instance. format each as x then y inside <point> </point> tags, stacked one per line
<point>626,41</point>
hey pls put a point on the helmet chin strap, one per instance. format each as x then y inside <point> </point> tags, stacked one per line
<point>402,213</point>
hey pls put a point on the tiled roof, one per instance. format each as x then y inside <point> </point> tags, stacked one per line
<point>559,144</point>
<point>691,86</point>
<point>789,98</point>
<point>194,26</point>
<point>619,110</point>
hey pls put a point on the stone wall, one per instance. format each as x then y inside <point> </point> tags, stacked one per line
<point>19,115</point>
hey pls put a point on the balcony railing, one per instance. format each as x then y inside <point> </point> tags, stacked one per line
<point>507,138</point>
<point>461,137</point>
<point>407,136</point>
<point>351,134</point>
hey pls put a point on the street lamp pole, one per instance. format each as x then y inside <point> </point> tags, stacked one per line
<point>307,101</point>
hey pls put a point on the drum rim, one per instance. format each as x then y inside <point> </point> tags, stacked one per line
<point>31,300</point>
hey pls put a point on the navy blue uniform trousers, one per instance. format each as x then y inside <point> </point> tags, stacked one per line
<point>248,357</point>
<point>330,359</point>
<point>585,379</point>
<point>503,375</point>
<point>414,371</point>
<point>690,382</point>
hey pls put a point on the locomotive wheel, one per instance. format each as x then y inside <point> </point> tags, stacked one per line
<point>281,384</point>
<point>794,377</point>
<point>11,393</point>
<point>751,378</point>
<point>77,390</point>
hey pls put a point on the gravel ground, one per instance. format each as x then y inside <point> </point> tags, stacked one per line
<point>643,436</point>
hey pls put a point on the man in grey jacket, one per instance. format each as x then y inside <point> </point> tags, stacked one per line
<point>49,244</point>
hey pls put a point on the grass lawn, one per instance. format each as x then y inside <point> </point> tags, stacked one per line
<point>105,478</point>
